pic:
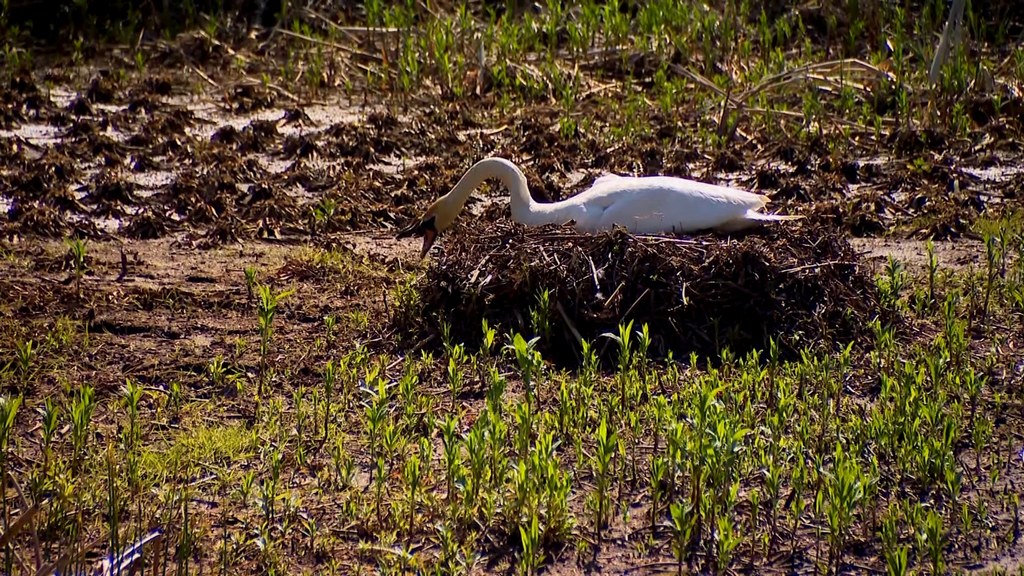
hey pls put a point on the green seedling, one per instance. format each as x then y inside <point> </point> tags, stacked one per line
<point>76,257</point>
<point>251,281</point>
<point>266,311</point>
<point>25,354</point>
<point>607,443</point>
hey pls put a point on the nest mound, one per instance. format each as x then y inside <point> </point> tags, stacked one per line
<point>801,285</point>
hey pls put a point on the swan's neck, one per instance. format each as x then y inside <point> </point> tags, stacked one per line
<point>524,209</point>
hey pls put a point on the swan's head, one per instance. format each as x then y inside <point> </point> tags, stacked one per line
<point>438,218</point>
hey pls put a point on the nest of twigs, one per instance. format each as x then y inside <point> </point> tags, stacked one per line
<point>799,284</point>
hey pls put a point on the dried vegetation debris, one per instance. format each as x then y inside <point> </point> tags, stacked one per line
<point>665,148</point>
<point>797,285</point>
<point>102,160</point>
<point>352,174</point>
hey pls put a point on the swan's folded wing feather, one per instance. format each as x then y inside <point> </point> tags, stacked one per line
<point>665,205</point>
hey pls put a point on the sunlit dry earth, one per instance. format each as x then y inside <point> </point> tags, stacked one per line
<point>211,237</point>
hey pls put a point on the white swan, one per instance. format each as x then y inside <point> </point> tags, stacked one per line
<point>642,205</point>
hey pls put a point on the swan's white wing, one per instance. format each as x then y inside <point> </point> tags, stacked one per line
<point>662,204</point>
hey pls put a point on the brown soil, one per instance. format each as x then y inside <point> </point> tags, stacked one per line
<point>179,192</point>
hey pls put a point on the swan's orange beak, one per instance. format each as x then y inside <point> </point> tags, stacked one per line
<point>424,227</point>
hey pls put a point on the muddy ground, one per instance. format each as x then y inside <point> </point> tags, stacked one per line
<point>177,192</point>
<point>157,178</point>
<point>178,183</point>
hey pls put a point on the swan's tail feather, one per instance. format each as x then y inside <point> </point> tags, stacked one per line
<point>752,215</point>
<point>751,219</point>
